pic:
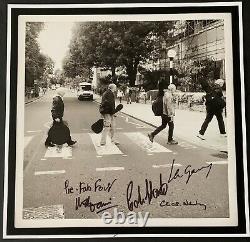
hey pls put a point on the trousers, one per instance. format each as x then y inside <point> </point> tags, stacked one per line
<point>208,119</point>
<point>166,120</point>
<point>108,128</point>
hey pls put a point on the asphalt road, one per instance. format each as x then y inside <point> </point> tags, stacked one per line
<point>113,176</point>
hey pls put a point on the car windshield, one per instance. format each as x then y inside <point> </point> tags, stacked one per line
<point>86,88</point>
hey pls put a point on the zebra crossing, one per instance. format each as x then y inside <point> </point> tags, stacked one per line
<point>92,142</point>
<point>137,138</point>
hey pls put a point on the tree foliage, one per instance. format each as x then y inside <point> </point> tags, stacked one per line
<point>114,44</point>
<point>193,72</point>
<point>37,65</point>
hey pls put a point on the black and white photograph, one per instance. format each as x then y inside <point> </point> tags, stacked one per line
<point>125,120</point>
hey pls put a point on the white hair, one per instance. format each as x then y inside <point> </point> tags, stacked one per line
<point>112,87</point>
<point>60,91</point>
<point>219,82</point>
<point>172,87</point>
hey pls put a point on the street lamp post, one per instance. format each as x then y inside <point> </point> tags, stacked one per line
<point>171,55</point>
<point>164,46</point>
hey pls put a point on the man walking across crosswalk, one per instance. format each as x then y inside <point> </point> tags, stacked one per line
<point>167,116</point>
<point>107,109</point>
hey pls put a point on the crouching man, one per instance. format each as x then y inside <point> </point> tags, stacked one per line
<point>59,132</point>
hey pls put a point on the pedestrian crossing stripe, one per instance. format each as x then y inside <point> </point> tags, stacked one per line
<point>108,149</point>
<point>64,152</point>
<point>144,142</point>
<point>37,173</point>
<point>219,162</point>
<point>165,165</point>
<point>110,169</point>
<point>27,140</point>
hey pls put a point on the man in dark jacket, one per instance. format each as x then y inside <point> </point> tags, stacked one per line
<point>107,109</point>
<point>214,106</point>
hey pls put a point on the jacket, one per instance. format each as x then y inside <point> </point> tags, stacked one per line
<point>168,104</point>
<point>107,105</point>
<point>57,109</point>
<point>214,98</point>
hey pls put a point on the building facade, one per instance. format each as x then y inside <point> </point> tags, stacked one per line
<point>198,40</point>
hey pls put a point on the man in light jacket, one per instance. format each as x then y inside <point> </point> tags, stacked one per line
<point>167,116</point>
<point>107,109</point>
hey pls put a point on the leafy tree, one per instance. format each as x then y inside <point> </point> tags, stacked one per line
<point>33,58</point>
<point>114,44</point>
<point>192,73</point>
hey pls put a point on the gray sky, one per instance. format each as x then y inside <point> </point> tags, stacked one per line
<point>54,40</point>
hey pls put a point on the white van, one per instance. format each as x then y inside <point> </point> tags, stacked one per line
<point>85,91</point>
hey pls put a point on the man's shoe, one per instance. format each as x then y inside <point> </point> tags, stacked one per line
<point>151,137</point>
<point>71,143</point>
<point>115,142</point>
<point>223,135</point>
<point>201,136</point>
<point>172,142</point>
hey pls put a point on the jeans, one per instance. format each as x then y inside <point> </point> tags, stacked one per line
<point>165,120</point>
<point>108,128</point>
<point>208,119</point>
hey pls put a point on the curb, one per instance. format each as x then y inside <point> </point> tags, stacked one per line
<point>31,101</point>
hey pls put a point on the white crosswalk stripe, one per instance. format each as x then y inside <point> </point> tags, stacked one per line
<point>64,152</point>
<point>143,141</point>
<point>219,162</point>
<point>108,149</point>
<point>165,165</point>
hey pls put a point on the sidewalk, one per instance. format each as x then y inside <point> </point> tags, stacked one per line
<point>187,124</point>
<point>30,100</point>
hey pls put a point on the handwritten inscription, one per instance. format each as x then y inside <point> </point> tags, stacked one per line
<point>186,202</point>
<point>136,195</point>
<point>86,202</point>
<point>161,189</point>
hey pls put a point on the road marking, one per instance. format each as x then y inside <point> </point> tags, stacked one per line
<point>165,165</point>
<point>175,153</point>
<point>110,169</point>
<point>124,155</point>
<point>67,158</point>
<point>118,128</point>
<point>45,212</point>
<point>150,154</point>
<point>43,159</point>
<point>143,142</point>
<point>37,173</point>
<point>65,151</point>
<point>27,140</point>
<point>108,149</point>
<point>33,131</point>
<point>219,162</point>
<point>99,156</point>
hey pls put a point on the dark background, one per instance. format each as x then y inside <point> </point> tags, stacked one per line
<point>3,48</point>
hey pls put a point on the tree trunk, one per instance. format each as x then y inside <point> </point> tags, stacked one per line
<point>113,74</point>
<point>131,70</point>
